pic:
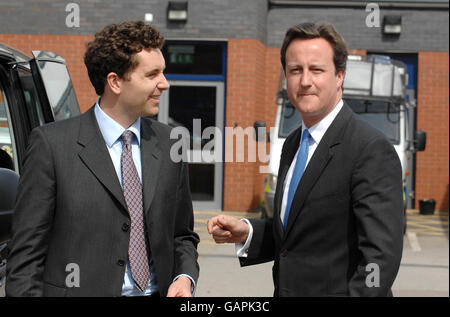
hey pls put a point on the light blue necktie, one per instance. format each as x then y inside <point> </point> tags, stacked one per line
<point>297,174</point>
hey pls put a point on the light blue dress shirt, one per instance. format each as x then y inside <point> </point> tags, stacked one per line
<point>112,132</point>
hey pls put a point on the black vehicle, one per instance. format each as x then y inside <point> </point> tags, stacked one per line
<point>33,91</point>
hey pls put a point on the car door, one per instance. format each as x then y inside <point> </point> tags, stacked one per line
<point>32,92</point>
<point>54,86</point>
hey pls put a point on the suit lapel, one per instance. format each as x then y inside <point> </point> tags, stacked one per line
<point>96,157</point>
<point>320,159</point>
<point>151,161</point>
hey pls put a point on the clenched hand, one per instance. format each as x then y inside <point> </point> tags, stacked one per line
<point>227,229</point>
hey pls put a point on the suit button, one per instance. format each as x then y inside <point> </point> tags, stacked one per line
<point>125,227</point>
<point>284,253</point>
<point>121,262</point>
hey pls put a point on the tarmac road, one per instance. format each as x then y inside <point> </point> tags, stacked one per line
<point>424,270</point>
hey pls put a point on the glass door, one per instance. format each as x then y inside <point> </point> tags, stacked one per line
<point>198,108</point>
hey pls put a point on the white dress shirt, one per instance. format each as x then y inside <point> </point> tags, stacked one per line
<point>317,132</point>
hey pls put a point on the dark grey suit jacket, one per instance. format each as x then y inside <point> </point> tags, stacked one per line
<point>347,213</point>
<point>71,209</point>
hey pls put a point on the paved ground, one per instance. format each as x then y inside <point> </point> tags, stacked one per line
<point>425,264</point>
<point>424,270</point>
<point>220,272</point>
<point>428,225</point>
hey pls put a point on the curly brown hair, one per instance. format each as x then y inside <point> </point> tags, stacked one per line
<point>323,30</point>
<point>114,48</point>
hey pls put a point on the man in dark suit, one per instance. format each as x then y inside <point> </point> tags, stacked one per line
<point>102,209</point>
<point>338,218</point>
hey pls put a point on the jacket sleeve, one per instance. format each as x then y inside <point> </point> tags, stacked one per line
<point>186,240</point>
<point>377,201</point>
<point>262,247</point>
<point>32,220</point>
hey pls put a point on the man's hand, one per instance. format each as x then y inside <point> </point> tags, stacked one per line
<point>227,229</point>
<point>180,288</point>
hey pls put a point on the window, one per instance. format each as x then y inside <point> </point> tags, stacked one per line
<point>34,108</point>
<point>7,145</point>
<point>194,58</point>
<point>58,87</point>
<point>290,120</point>
<point>383,115</point>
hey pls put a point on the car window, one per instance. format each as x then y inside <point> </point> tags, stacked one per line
<point>59,90</point>
<point>7,144</point>
<point>383,115</point>
<point>34,108</point>
<point>58,85</point>
<point>290,119</point>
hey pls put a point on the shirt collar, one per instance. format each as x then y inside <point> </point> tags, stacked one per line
<point>318,130</point>
<point>111,130</point>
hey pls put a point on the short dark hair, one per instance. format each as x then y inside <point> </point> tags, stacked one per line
<point>114,48</point>
<point>320,30</point>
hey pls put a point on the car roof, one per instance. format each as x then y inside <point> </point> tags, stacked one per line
<point>10,52</point>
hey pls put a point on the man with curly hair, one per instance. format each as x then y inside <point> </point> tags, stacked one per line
<point>102,210</point>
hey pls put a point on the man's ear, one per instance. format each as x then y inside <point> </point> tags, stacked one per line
<point>340,78</point>
<point>113,81</point>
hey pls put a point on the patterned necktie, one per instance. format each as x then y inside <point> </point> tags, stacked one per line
<point>300,165</point>
<point>132,190</point>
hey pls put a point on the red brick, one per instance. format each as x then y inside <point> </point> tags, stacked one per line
<point>432,177</point>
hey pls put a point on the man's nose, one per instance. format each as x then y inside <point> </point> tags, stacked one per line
<point>163,84</point>
<point>305,79</point>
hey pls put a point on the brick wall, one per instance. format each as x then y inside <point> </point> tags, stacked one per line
<point>422,30</point>
<point>253,75</point>
<point>71,47</point>
<point>219,19</point>
<point>432,177</point>
<point>272,77</point>
<point>245,104</point>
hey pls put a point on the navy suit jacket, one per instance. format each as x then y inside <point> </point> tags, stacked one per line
<point>347,213</point>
